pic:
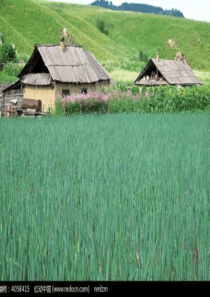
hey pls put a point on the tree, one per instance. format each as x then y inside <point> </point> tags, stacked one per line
<point>7,53</point>
<point>145,8</point>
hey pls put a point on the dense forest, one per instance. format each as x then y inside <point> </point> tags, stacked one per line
<point>137,7</point>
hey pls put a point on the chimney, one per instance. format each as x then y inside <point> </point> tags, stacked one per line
<point>62,45</point>
<point>157,56</point>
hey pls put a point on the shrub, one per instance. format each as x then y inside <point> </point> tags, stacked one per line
<point>100,24</point>
<point>143,56</point>
<point>7,53</point>
<point>170,99</point>
<point>93,102</point>
<point>122,87</point>
<point>143,90</point>
<point>135,90</point>
<point>58,108</point>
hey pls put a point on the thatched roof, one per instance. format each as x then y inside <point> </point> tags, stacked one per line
<point>72,66</point>
<point>173,73</point>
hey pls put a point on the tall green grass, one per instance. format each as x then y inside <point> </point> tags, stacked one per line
<point>111,197</point>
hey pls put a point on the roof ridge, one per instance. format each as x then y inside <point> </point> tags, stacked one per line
<point>167,60</point>
<point>57,44</point>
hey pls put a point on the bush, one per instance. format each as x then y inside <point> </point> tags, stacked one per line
<point>173,99</point>
<point>93,102</point>
<point>135,90</point>
<point>143,56</point>
<point>122,87</point>
<point>7,53</point>
<point>58,108</point>
<point>100,24</point>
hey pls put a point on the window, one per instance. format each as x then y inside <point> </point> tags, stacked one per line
<point>65,93</point>
<point>84,91</point>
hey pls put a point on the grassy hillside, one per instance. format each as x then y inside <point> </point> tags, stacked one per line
<point>132,32</point>
<point>128,32</point>
<point>25,28</point>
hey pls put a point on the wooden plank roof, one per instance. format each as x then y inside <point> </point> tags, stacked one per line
<point>3,87</point>
<point>37,79</point>
<point>72,66</point>
<point>16,85</point>
<point>174,72</point>
<point>99,70</point>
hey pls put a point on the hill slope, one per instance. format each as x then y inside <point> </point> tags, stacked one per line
<point>21,25</point>
<point>128,32</point>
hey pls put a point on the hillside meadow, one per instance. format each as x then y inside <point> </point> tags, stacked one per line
<point>109,197</point>
<point>128,33</point>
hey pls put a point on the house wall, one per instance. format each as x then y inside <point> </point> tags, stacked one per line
<point>44,93</point>
<point>73,88</point>
<point>49,95</point>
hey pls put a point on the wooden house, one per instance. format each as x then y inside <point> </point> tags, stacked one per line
<point>12,96</point>
<point>167,72</point>
<point>2,87</point>
<point>54,71</point>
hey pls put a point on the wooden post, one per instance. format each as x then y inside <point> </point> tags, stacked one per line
<point>8,111</point>
<point>14,112</point>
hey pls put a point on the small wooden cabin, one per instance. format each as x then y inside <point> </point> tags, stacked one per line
<point>2,87</point>
<point>12,96</point>
<point>55,71</point>
<point>167,72</point>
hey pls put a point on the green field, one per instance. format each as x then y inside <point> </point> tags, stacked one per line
<point>110,197</point>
